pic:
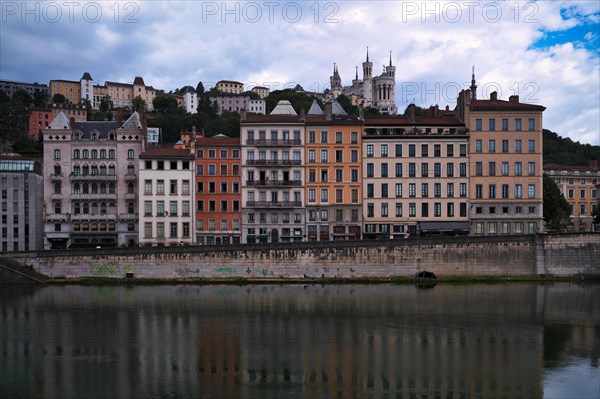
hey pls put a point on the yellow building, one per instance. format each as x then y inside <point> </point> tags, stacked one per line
<point>333,174</point>
<point>506,192</point>
<point>579,185</point>
<point>68,88</point>
<point>230,86</point>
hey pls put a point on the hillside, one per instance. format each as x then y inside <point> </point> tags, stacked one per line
<point>565,151</point>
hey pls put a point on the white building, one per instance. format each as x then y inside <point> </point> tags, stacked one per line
<point>87,88</point>
<point>190,100</point>
<point>237,103</point>
<point>262,91</point>
<point>166,197</point>
<point>153,137</point>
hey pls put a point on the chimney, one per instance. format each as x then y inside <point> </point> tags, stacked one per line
<point>243,114</point>
<point>193,133</point>
<point>361,113</point>
<point>328,111</point>
<point>513,99</point>
<point>119,118</point>
<point>494,96</point>
<point>593,164</point>
<point>72,122</point>
<point>302,114</point>
<point>447,108</point>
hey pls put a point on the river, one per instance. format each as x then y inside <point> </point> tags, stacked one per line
<point>521,340</point>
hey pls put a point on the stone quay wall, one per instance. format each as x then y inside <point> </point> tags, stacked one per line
<point>549,255</point>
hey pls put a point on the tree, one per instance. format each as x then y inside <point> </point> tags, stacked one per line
<point>596,213</point>
<point>22,96</point>
<point>58,98</point>
<point>556,207</point>
<point>14,116</point>
<point>138,104</point>
<point>40,98</point>
<point>165,104</point>
<point>106,104</point>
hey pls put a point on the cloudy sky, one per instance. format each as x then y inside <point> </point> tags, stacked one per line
<point>545,51</point>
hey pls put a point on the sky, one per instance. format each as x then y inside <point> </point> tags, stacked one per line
<point>547,52</point>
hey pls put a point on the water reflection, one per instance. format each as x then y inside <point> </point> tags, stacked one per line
<point>341,341</point>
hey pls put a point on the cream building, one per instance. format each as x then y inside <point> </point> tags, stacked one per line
<point>166,200</point>
<point>230,86</point>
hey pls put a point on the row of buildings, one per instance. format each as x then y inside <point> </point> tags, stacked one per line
<point>310,176</point>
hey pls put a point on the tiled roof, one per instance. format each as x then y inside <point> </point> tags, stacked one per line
<point>218,140</point>
<point>503,104</point>
<point>252,118</point>
<point>554,166</point>
<point>161,152</point>
<point>230,81</point>
<point>419,120</point>
<point>86,76</point>
<point>335,119</point>
<point>139,81</point>
<point>103,128</point>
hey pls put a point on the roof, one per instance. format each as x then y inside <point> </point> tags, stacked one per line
<point>161,152</point>
<point>86,76</point>
<point>254,118</point>
<point>103,128</point>
<point>315,109</point>
<point>189,89</point>
<point>260,88</point>
<point>133,122</point>
<point>60,121</point>
<point>221,94</point>
<point>335,120</point>
<point>139,81</point>
<point>230,81</point>
<point>336,108</point>
<point>579,168</point>
<point>492,105</point>
<point>218,140</point>
<point>284,107</point>
<point>118,84</point>
<point>402,120</point>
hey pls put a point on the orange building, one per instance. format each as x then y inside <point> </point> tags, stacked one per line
<point>333,174</point>
<point>218,194</point>
<point>69,88</point>
<point>39,119</point>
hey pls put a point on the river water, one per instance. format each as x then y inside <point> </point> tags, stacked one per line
<point>301,341</point>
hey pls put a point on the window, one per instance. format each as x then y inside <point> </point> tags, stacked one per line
<point>398,190</point>
<point>412,150</point>
<point>491,124</point>
<point>370,150</point>
<point>425,210</point>
<point>384,170</point>
<point>504,124</point>
<point>492,169</point>
<point>424,150</point>
<point>324,137</point>
<point>398,209</point>
<point>57,154</point>
<point>339,175</point>
<point>185,208</point>
<point>354,155</point>
<point>531,191</point>
<point>354,175</point>
<point>479,124</point>
<point>339,195</point>
<point>384,190</point>
<point>398,168</point>
<point>398,150</point>
<point>412,209</point>
<point>312,156</point>
<point>370,210</point>
<point>478,191</point>
<point>478,146</point>
<point>450,190</point>
<point>354,137</point>
<point>518,191</point>
<point>424,189</point>
<point>384,210</point>
<point>75,154</point>
<point>450,150</point>
<point>424,169</point>
<point>531,124</point>
<point>492,146</point>
<point>312,137</point>
<point>370,170</point>
<point>338,137</point>
<point>312,195</point>
<point>384,150</point>
<point>478,169</point>
<point>148,208</point>
<point>518,124</point>
<point>370,190</point>
<point>463,150</point>
<point>412,190</point>
<point>324,195</point>
<point>492,191</point>
<point>518,146</point>
<point>437,209</point>
<point>412,169</point>
<point>505,169</point>
<point>354,195</point>
<point>463,169</point>
<point>130,154</point>
<point>504,146</point>
<point>531,146</point>
<point>148,230</point>
<point>518,169</point>
<point>437,189</point>
<point>148,186</point>
<point>450,169</point>
<point>173,187</point>
<point>531,168</point>
<point>505,191</point>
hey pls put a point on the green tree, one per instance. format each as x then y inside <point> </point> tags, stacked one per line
<point>165,104</point>
<point>40,98</point>
<point>556,207</point>
<point>22,96</point>
<point>139,104</point>
<point>58,98</point>
<point>596,213</point>
<point>106,104</point>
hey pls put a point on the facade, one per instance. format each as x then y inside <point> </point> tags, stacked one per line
<point>190,100</point>
<point>262,91</point>
<point>166,200</point>
<point>333,175</point>
<point>415,175</point>
<point>237,103</point>
<point>39,119</point>
<point>90,196</point>
<point>69,88</point>
<point>505,182</point>
<point>9,87</point>
<point>87,88</point>
<point>370,91</point>
<point>272,151</point>
<point>21,185</point>
<point>580,186</point>
<point>218,190</point>
<point>230,86</point>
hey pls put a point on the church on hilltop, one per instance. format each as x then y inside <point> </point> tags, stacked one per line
<point>378,92</point>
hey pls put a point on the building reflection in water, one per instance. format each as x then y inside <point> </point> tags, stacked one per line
<point>346,341</point>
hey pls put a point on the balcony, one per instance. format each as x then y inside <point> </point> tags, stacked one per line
<point>274,183</point>
<point>128,217</point>
<point>55,178</point>
<point>273,204</point>
<point>130,196</point>
<point>57,217</point>
<point>93,177</point>
<point>99,196</point>
<point>88,217</point>
<point>272,163</point>
<point>56,196</point>
<point>130,177</point>
<point>273,143</point>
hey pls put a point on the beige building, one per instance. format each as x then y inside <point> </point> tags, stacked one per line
<point>415,175</point>
<point>90,176</point>
<point>579,185</point>
<point>505,142</point>
<point>230,86</point>
<point>166,200</point>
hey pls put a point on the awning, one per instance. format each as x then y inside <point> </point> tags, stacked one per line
<point>445,226</point>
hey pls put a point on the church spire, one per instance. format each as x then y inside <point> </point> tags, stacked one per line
<point>367,53</point>
<point>473,85</point>
<point>390,57</point>
<point>356,72</point>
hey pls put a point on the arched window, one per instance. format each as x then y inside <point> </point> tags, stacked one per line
<point>76,188</point>
<point>57,170</point>
<point>130,188</point>
<point>94,188</point>
<point>57,188</point>
<point>130,169</point>
<point>94,170</point>
<point>111,136</point>
<point>76,170</point>
<point>86,208</point>
<point>86,170</point>
<point>94,208</point>
<point>76,208</point>
<point>111,208</point>
<point>103,188</point>
<point>111,188</point>
<point>111,153</point>
<point>111,169</point>
<point>103,208</point>
<point>103,170</point>
<point>130,208</point>
<point>94,154</point>
<point>57,207</point>
<point>94,136</point>
<point>86,188</point>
